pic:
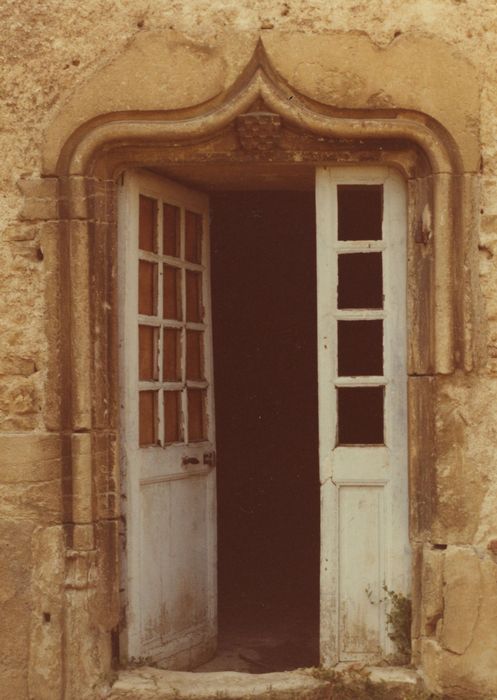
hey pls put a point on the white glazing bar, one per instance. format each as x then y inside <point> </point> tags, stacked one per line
<point>184,396</point>
<point>326,268</point>
<point>148,320</point>
<point>359,246</point>
<point>395,332</point>
<point>359,314</point>
<point>160,306</point>
<point>360,381</point>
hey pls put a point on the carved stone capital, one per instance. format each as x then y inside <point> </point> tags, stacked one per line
<point>259,131</point>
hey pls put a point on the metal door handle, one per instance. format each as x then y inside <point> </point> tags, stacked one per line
<point>190,460</point>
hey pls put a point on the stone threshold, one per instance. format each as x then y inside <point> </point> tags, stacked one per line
<point>148,683</point>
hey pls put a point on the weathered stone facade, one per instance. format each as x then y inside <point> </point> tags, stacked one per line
<point>91,88</point>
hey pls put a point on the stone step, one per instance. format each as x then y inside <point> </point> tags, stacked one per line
<point>156,684</point>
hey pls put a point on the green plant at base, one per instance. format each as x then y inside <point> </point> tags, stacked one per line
<point>399,619</point>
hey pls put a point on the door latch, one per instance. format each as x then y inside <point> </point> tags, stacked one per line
<point>189,460</point>
<point>210,458</point>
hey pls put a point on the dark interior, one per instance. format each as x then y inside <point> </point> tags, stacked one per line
<point>264,322</point>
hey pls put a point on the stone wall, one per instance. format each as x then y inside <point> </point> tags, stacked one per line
<point>60,62</point>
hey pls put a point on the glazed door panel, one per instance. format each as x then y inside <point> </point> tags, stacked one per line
<point>361,266</point>
<point>167,419</point>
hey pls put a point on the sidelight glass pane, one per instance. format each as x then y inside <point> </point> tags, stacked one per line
<point>147,343</point>
<point>148,417</point>
<point>196,415</point>
<point>172,293</point>
<point>147,236</point>
<point>171,235</point>
<point>172,416</point>
<point>147,286</point>
<point>360,212</point>
<point>194,355</point>
<point>194,310</point>
<point>193,237</point>
<point>172,355</point>
<point>360,281</point>
<point>360,415</point>
<point>360,348</point>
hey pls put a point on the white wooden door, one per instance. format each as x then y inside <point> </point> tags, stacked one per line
<point>167,422</point>
<point>361,267</point>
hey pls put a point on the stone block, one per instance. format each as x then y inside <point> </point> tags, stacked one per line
<point>74,197</point>
<point>432,602</point>
<point>106,602</point>
<point>81,349</point>
<point>30,458</point>
<point>12,364</point>
<point>47,614</point>
<point>40,198</point>
<point>106,475</point>
<point>431,656</point>
<point>82,479</point>
<point>462,596</point>
<point>20,231</point>
<point>15,540</point>
<point>32,477</point>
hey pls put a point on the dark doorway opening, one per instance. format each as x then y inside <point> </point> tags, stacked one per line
<point>264,324</point>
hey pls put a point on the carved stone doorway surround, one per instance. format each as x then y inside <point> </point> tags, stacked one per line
<point>262,121</point>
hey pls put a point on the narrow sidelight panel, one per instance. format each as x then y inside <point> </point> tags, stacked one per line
<point>148,224</point>
<point>171,231</point>
<point>194,355</point>
<point>148,417</point>
<point>360,283</point>
<point>172,417</point>
<point>194,311</point>
<point>172,355</point>
<point>360,348</point>
<point>193,237</point>
<point>360,415</point>
<point>147,338</point>
<point>147,286</point>
<point>172,293</point>
<point>196,415</point>
<point>360,212</point>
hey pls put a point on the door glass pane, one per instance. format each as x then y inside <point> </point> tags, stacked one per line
<point>172,356</point>
<point>148,417</point>
<point>196,415</point>
<point>193,237</point>
<point>194,355</point>
<point>360,415</point>
<point>172,293</point>
<point>147,285</point>
<point>147,341</point>
<point>360,212</point>
<point>147,237</point>
<point>172,416</point>
<point>194,311</point>
<point>360,348</point>
<point>360,283</point>
<point>171,230</point>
